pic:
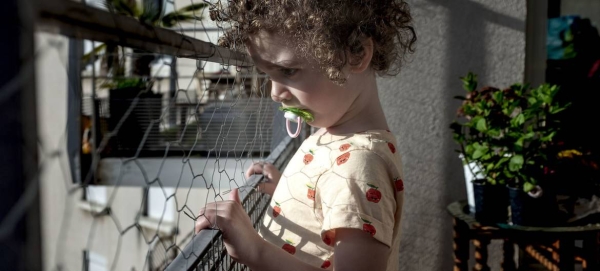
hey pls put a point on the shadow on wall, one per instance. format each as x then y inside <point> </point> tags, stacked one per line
<point>465,45</point>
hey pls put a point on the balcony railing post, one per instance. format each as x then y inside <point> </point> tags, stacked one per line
<point>20,241</point>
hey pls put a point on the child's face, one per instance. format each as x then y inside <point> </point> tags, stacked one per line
<point>298,82</point>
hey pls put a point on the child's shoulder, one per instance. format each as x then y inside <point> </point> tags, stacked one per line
<point>372,140</point>
<point>367,146</point>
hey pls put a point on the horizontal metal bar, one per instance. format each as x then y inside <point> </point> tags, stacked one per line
<point>79,21</point>
<point>201,75</point>
<point>196,29</point>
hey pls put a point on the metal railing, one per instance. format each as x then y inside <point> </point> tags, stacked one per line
<point>221,131</point>
<point>206,250</point>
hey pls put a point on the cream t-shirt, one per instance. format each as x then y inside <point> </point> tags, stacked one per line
<point>337,181</point>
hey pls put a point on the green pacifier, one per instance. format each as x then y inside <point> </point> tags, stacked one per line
<point>295,115</point>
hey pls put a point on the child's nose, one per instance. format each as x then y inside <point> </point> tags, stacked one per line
<point>279,92</point>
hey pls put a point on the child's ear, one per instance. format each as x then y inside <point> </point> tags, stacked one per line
<point>365,61</point>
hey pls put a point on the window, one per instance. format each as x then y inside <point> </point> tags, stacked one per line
<point>156,204</point>
<point>94,262</point>
<point>96,194</point>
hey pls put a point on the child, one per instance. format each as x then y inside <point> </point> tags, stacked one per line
<point>338,203</point>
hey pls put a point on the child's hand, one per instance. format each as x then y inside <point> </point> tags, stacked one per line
<point>240,238</point>
<point>271,173</point>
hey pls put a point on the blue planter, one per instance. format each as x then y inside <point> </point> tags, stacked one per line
<point>530,211</point>
<point>491,203</point>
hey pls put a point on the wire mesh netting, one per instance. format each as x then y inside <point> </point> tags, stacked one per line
<point>136,132</point>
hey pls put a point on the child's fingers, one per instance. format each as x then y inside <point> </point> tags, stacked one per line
<point>202,222</point>
<point>256,168</point>
<point>235,195</point>
<point>206,218</point>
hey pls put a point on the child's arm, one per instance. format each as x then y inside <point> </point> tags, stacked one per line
<point>354,249</point>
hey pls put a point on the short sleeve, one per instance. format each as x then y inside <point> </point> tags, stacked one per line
<point>358,193</point>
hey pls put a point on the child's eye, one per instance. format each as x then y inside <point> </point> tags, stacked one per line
<point>288,72</point>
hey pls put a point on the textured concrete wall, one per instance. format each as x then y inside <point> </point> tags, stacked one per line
<point>454,37</point>
<point>585,8</point>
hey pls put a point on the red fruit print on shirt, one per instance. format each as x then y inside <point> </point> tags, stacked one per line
<point>345,147</point>
<point>328,238</point>
<point>373,194</point>
<point>399,184</point>
<point>367,227</point>
<point>311,192</point>
<point>343,158</point>
<point>307,158</point>
<point>289,247</point>
<point>276,210</point>
<point>326,264</point>
<point>392,147</point>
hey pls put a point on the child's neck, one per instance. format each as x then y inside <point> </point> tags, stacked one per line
<point>374,120</point>
<point>365,114</point>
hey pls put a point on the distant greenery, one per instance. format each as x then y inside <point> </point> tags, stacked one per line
<point>149,12</point>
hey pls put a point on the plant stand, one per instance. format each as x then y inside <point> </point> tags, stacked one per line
<point>552,247</point>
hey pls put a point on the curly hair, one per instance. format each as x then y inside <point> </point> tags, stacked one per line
<point>331,31</point>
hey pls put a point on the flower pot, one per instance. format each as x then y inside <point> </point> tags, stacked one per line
<point>527,210</point>
<point>470,169</point>
<point>491,203</point>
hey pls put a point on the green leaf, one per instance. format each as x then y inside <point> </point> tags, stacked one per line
<point>462,98</point>
<point>185,14</point>
<point>123,7</point>
<point>87,58</point>
<point>554,110</point>
<point>529,135</point>
<point>481,125</point>
<point>499,97</point>
<point>479,152</point>
<point>548,137</point>
<point>152,12</point>
<point>172,19</point>
<point>193,7</point>
<point>493,132</point>
<point>519,145</point>
<point>528,187</point>
<point>518,121</point>
<point>469,82</point>
<point>532,100</point>
<point>469,149</point>
<point>516,163</point>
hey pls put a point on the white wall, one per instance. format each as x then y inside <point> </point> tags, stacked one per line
<point>486,37</point>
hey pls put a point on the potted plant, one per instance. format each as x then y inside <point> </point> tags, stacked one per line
<point>532,133</point>
<point>510,132</point>
<point>476,134</point>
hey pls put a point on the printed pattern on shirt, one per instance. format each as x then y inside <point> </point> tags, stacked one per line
<point>352,181</point>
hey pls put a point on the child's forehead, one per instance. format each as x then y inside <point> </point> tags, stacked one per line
<point>272,48</point>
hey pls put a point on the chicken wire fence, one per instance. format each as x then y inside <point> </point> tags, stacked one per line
<point>123,119</point>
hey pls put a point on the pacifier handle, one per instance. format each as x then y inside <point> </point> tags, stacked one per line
<point>298,127</point>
